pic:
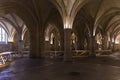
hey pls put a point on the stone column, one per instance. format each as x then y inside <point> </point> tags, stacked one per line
<point>81,43</point>
<point>41,50</point>
<point>34,42</point>
<point>37,44</point>
<point>113,43</point>
<point>92,46</point>
<point>20,47</point>
<point>11,46</point>
<point>105,42</point>
<point>47,45</point>
<point>109,45</point>
<point>67,45</point>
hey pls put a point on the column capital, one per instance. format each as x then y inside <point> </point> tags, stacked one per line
<point>68,22</point>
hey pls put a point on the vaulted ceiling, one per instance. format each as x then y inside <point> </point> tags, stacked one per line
<point>17,14</point>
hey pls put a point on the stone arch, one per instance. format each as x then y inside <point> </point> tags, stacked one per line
<point>26,41</point>
<point>55,19</point>
<point>82,25</point>
<point>106,17</point>
<point>52,29</point>
<point>24,13</point>
<point>98,39</point>
<point>73,41</point>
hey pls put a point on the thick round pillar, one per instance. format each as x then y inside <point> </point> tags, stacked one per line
<point>11,46</point>
<point>67,45</point>
<point>20,47</point>
<point>36,43</point>
<point>41,45</point>
<point>92,46</point>
<point>105,42</point>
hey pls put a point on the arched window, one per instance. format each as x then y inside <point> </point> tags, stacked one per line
<point>3,36</point>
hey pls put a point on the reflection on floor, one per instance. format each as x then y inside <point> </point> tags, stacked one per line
<point>99,68</point>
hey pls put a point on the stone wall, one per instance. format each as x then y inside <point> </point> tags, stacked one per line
<point>6,47</point>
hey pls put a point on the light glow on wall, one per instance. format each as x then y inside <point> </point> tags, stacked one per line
<point>98,38</point>
<point>98,42</point>
<point>46,38</point>
<point>10,40</point>
<point>113,40</point>
<point>51,38</point>
<point>67,23</point>
<point>117,40</point>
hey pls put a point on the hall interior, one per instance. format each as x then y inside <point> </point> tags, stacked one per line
<point>82,31</point>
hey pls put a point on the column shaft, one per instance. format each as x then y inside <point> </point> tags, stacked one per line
<point>92,46</point>
<point>67,45</point>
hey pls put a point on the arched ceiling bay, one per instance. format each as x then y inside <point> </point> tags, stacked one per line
<point>107,13</point>
<point>36,12</point>
<point>12,24</point>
